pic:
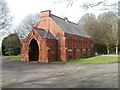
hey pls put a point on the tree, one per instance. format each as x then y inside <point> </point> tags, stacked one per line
<point>100,48</point>
<point>11,45</point>
<point>89,23</point>
<point>118,34</point>
<point>109,29</point>
<point>103,30</point>
<point>5,18</point>
<point>26,25</point>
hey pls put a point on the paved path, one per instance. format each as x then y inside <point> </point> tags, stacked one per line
<point>111,55</point>
<point>18,74</point>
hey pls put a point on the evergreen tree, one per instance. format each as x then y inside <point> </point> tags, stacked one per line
<point>11,45</point>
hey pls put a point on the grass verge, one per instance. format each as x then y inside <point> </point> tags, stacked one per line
<point>91,60</point>
<point>18,58</point>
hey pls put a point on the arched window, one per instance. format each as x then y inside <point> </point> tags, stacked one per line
<point>59,41</point>
<point>33,33</point>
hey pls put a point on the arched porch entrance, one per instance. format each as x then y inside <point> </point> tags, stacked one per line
<point>33,51</point>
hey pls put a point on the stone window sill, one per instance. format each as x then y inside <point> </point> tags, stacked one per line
<point>69,50</point>
<point>78,50</point>
<point>84,49</point>
<point>89,49</point>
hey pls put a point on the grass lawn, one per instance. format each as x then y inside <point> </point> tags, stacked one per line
<point>14,58</point>
<point>90,60</point>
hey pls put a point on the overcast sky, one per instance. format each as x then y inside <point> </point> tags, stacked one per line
<point>21,8</point>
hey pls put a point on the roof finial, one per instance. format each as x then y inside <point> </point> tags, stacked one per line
<point>65,18</point>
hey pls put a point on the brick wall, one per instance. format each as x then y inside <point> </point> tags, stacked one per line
<point>50,50</point>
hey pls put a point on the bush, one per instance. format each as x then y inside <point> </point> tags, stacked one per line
<point>11,45</point>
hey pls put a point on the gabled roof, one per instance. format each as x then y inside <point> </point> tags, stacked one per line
<point>69,27</point>
<point>45,34</point>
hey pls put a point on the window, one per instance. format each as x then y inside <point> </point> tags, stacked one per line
<point>82,44</point>
<point>70,44</point>
<point>78,44</point>
<point>52,49</point>
<point>33,33</point>
<point>59,41</point>
<point>86,44</point>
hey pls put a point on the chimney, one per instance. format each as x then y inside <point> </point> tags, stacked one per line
<point>46,13</point>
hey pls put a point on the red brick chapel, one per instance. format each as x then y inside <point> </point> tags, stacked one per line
<point>56,39</point>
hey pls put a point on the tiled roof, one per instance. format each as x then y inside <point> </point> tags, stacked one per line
<point>45,34</point>
<point>69,27</point>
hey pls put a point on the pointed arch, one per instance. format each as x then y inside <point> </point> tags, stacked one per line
<point>33,50</point>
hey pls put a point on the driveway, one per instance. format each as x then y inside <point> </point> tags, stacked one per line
<point>18,74</point>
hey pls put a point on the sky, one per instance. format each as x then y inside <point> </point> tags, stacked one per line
<point>21,8</point>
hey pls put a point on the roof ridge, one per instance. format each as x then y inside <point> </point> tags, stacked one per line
<point>69,27</point>
<point>64,19</point>
<point>73,22</point>
<point>57,16</point>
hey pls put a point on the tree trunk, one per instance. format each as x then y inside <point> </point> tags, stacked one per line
<point>116,49</point>
<point>108,50</point>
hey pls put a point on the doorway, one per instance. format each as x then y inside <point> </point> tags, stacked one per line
<point>33,51</point>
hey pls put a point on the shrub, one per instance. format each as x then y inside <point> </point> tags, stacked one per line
<point>11,45</point>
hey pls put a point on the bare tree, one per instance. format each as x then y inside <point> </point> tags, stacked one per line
<point>103,30</point>
<point>5,18</point>
<point>91,4</point>
<point>109,29</point>
<point>89,23</point>
<point>26,25</point>
<point>103,3</point>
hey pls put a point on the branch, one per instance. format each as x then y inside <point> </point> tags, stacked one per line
<point>91,5</point>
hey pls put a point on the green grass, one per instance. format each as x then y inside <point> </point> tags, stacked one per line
<point>91,60</point>
<point>14,58</point>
